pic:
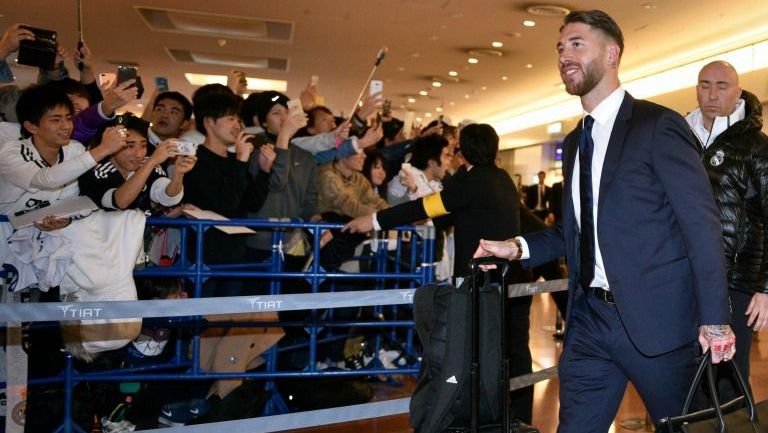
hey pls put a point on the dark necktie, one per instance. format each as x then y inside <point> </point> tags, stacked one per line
<point>587,237</point>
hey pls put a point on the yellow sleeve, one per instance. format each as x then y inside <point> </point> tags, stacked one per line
<point>433,205</point>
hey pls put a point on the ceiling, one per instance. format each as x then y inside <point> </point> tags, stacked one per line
<point>338,40</point>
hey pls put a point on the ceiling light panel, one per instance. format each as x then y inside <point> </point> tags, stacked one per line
<point>226,59</point>
<point>546,10</point>
<point>254,84</point>
<point>216,25</point>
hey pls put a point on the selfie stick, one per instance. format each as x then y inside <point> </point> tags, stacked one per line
<point>80,64</point>
<point>379,58</point>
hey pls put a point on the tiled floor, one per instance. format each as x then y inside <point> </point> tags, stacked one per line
<point>545,353</point>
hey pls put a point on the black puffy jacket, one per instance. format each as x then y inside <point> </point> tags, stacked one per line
<point>737,164</point>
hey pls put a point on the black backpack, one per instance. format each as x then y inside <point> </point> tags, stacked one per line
<point>441,400</point>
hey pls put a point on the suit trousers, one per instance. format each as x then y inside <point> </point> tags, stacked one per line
<point>599,359</point>
<point>726,382</point>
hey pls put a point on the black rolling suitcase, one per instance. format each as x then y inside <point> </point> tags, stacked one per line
<point>462,389</point>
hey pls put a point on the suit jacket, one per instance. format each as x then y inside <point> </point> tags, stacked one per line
<point>657,227</point>
<point>481,203</point>
<point>556,200</point>
<point>532,196</point>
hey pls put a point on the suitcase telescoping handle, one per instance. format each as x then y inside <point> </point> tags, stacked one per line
<point>503,264</point>
<point>475,270</point>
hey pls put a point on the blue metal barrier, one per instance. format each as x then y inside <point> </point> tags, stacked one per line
<point>417,271</point>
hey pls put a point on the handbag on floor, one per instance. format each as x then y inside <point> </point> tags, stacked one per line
<point>740,415</point>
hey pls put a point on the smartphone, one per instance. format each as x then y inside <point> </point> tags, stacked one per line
<point>185,147</point>
<point>121,119</point>
<point>294,106</point>
<point>125,73</point>
<point>377,86</point>
<point>106,79</point>
<point>39,52</point>
<point>162,84</point>
<point>314,80</point>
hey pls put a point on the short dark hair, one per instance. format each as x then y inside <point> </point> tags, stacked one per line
<point>178,97</point>
<point>391,128</point>
<point>314,110</point>
<point>35,101</point>
<point>73,87</point>
<point>448,129</point>
<point>214,103</point>
<point>426,148</point>
<point>479,144</point>
<point>249,109</point>
<point>263,103</point>
<point>202,94</point>
<point>599,20</point>
<point>129,121</point>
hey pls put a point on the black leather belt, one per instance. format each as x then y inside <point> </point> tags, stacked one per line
<point>603,295</point>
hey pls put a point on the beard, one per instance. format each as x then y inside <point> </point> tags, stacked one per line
<point>592,75</point>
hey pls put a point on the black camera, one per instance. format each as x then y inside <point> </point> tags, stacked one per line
<point>39,52</point>
<point>257,141</point>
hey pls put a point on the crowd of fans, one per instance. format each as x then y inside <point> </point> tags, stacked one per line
<point>252,157</point>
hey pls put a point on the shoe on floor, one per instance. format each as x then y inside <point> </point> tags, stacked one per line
<point>180,413</point>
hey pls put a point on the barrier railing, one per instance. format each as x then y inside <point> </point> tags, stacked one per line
<point>275,423</point>
<point>273,302</point>
<point>416,271</point>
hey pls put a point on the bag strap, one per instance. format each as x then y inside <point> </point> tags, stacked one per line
<point>745,390</point>
<point>712,379</point>
<point>705,360</point>
<point>474,269</point>
<point>706,364</point>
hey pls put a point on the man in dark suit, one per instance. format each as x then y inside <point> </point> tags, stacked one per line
<point>480,202</point>
<point>537,197</point>
<point>642,236</point>
<point>555,204</point>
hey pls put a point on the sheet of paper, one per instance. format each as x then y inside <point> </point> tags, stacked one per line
<point>210,215</point>
<point>73,206</point>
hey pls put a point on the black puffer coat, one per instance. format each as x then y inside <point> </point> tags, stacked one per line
<point>737,164</point>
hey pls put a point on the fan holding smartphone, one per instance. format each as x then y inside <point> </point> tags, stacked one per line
<point>37,51</point>
<point>162,84</point>
<point>128,72</point>
<point>376,86</point>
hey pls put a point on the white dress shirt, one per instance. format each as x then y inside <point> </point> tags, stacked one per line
<point>605,115</point>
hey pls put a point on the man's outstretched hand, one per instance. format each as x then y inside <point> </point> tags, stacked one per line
<point>502,249</point>
<point>362,224</point>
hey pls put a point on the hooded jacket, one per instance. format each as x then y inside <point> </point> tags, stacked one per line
<point>737,166</point>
